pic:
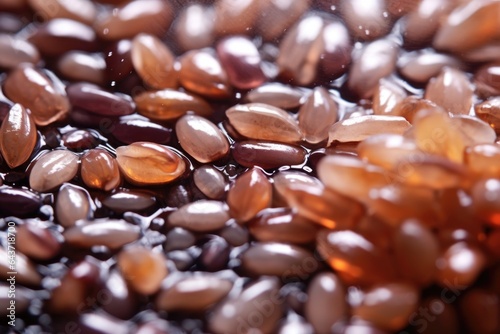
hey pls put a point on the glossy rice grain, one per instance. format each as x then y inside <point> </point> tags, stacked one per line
<point>323,207</point>
<point>351,176</point>
<point>316,115</point>
<point>37,242</point>
<point>282,225</point>
<point>459,91</point>
<point>144,163</point>
<point>468,26</point>
<point>277,259</point>
<point>435,133</point>
<point>193,293</point>
<point>18,136</point>
<point>34,90</point>
<point>326,304</point>
<point>142,268</point>
<point>267,155</point>
<point>83,66</point>
<point>201,138</point>
<point>100,170</point>
<point>387,96</point>
<point>169,104</point>
<point>355,259</point>
<point>250,193</point>
<point>200,216</point>
<point>362,127</point>
<point>202,73</point>
<point>375,61</point>
<point>388,306</point>
<point>153,61</point>
<point>416,250</point>
<point>96,100</point>
<point>72,204</point>
<point>483,160</point>
<point>112,233</point>
<point>241,60</point>
<point>264,122</point>
<point>277,95</point>
<point>210,181</point>
<point>53,169</point>
<point>135,201</point>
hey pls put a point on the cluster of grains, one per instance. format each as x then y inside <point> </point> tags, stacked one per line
<point>256,166</point>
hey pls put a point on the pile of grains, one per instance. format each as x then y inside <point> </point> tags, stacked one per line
<point>253,166</point>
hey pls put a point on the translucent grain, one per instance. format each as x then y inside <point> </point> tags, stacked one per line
<point>362,127</point>
<point>144,163</point>
<point>53,169</point>
<point>18,136</point>
<point>99,170</point>
<point>250,193</point>
<point>264,122</point>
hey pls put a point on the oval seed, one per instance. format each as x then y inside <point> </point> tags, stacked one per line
<point>72,204</point>
<point>153,61</point>
<point>143,268</point>
<point>100,170</point>
<point>98,101</point>
<point>326,304</point>
<point>169,104</point>
<point>267,155</point>
<point>201,139</point>
<point>250,193</point>
<point>193,294</point>
<point>241,60</point>
<point>362,127</point>
<point>144,163</point>
<point>210,181</point>
<point>388,306</point>
<point>355,259</point>
<point>316,115</point>
<point>112,233</point>
<point>53,169</point>
<point>202,73</point>
<point>200,216</point>
<point>276,259</point>
<point>451,90</point>
<point>265,122</point>
<point>32,88</point>
<point>17,136</point>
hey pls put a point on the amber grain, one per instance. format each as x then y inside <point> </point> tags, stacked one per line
<point>264,122</point>
<point>201,138</point>
<point>33,89</point>
<point>153,61</point>
<point>355,259</point>
<point>202,73</point>
<point>144,163</point>
<point>99,170</point>
<point>250,193</point>
<point>142,268</point>
<point>17,136</point>
<point>170,104</point>
<point>316,115</point>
